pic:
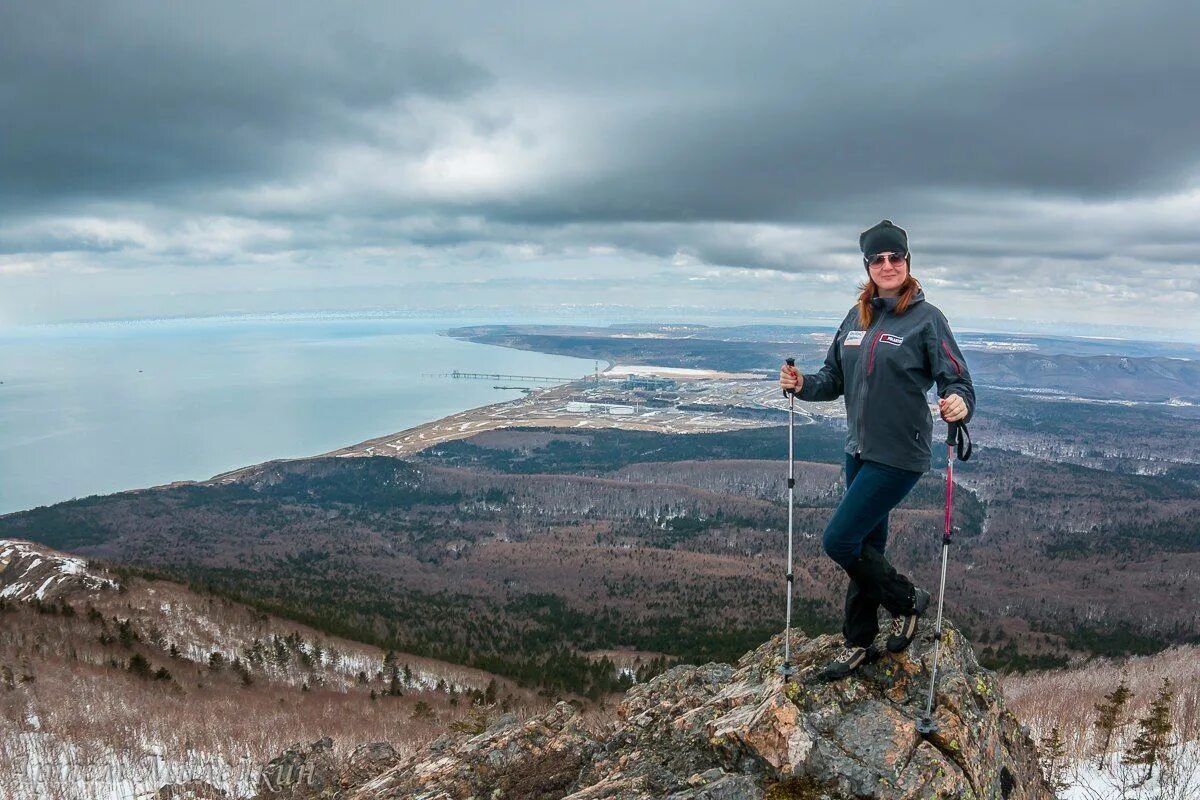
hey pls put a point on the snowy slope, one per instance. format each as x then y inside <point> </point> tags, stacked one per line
<point>31,571</point>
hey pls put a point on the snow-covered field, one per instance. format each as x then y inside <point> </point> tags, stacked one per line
<point>33,572</point>
<point>1067,699</point>
<point>1180,780</point>
<point>642,370</point>
<point>45,767</point>
<point>233,689</point>
<point>1008,347</point>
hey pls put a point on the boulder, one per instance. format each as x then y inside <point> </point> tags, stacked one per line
<point>301,773</point>
<point>740,732</point>
<point>191,790</point>
<point>533,760</point>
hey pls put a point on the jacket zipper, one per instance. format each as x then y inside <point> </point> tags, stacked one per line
<point>862,395</point>
<point>953,360</point>
<point>871,357</point>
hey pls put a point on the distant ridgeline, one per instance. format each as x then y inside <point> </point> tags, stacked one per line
<point>1145,371</point>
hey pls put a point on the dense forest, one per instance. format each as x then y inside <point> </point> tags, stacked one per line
<point>518,551</point>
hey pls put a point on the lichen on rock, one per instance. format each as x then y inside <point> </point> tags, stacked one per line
<point>739,732</point>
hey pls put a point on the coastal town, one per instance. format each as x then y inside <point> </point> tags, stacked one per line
<point>661,399</point>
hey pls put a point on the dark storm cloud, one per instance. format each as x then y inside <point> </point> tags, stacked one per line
<point>109,100</point>
<point>699,111</point>
<point>1030,141</point>
<point>770,113</point>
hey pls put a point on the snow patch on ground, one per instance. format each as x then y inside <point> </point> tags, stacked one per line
<point>28,557</point>
<point>674,372</point>
<point>47,766</point>
<point>1180,781</point>
<point>998,346</point>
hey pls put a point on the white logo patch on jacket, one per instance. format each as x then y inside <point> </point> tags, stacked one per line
<point>888,338</point>
<point>854,338</point>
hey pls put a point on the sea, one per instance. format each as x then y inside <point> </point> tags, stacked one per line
<point>99,407</point>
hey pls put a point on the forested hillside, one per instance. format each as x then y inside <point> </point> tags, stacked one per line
<point>520,551</point>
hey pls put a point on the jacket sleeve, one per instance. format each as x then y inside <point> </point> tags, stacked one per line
<point>948,365</point>
<point>826,383</point>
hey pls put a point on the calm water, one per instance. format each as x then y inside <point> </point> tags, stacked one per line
<point>96,408</point>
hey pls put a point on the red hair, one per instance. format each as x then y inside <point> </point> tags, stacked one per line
<point>868,290</point>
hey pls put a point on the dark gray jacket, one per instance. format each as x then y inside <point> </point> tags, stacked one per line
<point>885,373</point>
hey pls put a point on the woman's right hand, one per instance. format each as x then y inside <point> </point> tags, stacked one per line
<point>790,380</point>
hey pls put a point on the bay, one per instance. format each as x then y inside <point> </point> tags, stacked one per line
<point>94,408</point>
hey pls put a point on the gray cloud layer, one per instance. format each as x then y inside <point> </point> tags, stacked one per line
<point>116,100</point>
<point>1046,146</point>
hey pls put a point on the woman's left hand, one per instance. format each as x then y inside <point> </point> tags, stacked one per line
<point>952,407</point>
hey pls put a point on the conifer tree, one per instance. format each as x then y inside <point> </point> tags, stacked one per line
<point>1110,713</point>
<point>1154,732</point>
<point>126,633</point>
<point>239,667</point>
<point>281,656</point>
<point>256,654</point>
<point>1054,765</point>
<point>139,666</point>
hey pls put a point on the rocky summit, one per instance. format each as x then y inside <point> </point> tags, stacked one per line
<point>739,732</point>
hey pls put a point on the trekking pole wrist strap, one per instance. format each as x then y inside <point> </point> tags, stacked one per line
<point>958,437</point>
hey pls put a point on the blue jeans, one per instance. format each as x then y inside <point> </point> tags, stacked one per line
<point>861,520</point>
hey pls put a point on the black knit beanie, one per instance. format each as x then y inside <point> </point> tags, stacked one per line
<point>883,237</point>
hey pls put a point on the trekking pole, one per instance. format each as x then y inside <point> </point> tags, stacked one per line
<point>786,669</point>
<point>926,725</point>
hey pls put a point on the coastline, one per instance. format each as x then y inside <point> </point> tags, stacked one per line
<point>103,409</point>
<point>717,402</point>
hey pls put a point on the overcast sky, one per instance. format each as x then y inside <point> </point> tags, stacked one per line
<point>163,159</point>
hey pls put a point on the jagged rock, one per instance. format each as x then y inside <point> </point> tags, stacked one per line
<point>301,773</point>
<point>534,760</point>
<point>190,790</point>
<point>367,761</point>
<point>738,732</point>
<point>315,772</point>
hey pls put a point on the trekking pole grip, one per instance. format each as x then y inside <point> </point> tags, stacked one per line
<point>952,433</point>
<point>958,437</point>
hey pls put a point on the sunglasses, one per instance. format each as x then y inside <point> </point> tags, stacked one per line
<point>878,259</point>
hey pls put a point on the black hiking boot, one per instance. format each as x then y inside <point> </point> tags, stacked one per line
<point>904,626</point>
<point>847,660</point>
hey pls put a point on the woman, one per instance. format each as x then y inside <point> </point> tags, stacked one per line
<point>888,352</point>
